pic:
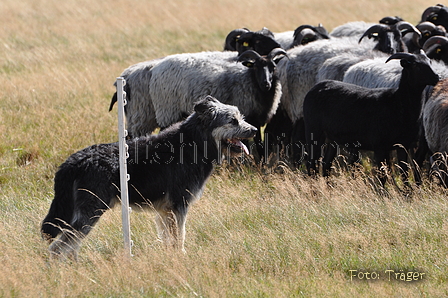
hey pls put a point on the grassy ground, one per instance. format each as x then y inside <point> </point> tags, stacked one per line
<point>253,233</point>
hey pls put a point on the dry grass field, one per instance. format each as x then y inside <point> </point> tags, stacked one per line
<point>253,233</point>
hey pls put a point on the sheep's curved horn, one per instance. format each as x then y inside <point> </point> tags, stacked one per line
<point>429,11</point>
<point>304,33</point>
<point>248,55</point>
<point>230,43</point>
<point>390,20</point>
<point>426,26</point>
<point>407,27</point>
<point>277,54</point>
<point>303,27</point>
<point>374,29</point>
<point>442,40</point>
<point>309,31</point>
<point>400,56</point>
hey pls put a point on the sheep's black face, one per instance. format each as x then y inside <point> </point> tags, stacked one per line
<point>259,42</point>
<point>263,66</point>
<point>264,72</point>
<point>437,52</point>
<point>440,17</point>
<point>389,42</point>
<point>420,70</point>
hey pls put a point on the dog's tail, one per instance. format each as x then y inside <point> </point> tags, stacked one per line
<point>62,208</point>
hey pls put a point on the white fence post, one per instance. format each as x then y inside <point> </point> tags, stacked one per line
<point>124,177</point>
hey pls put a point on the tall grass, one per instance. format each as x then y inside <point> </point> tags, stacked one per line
<point>253,233</point>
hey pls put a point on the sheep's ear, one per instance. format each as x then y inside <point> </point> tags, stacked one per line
<point>277,54</point>
<point>405,63</point>
<point>248,58</point>
<point>248,63</point>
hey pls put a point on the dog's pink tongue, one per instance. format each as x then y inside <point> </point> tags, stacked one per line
<point>240,144</point>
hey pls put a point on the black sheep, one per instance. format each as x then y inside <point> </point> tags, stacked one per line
<point>369,119</point>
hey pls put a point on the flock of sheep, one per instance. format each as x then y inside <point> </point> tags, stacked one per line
<point>310,87</point>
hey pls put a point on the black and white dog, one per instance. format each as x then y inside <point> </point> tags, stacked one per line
<point>167,172</point>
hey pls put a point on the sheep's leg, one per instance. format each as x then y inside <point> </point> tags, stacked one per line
<point>438,172</point>
<point>259,146</point>
<point>297,140</point>
<point>278,132</point>
<point>403,165</point>
<point>421,155</point>
<point>381,160</point>
<point>330,153</point>
<point>315,143</point>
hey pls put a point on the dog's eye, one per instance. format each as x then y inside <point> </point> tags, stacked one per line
<point>234,121</point>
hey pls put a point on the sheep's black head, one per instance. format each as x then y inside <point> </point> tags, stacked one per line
<point>261,42</point>
<point>390,20</point>
<point>263,66</point>
<point>436,48</point>
<point>437,15</point>
<point>389,38</point>
<point>307,33</point>
<point>429,30</point>
<point>232,39</point>
<point>416,69</point>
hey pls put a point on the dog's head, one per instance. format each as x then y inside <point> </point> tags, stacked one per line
<point>227,125</point>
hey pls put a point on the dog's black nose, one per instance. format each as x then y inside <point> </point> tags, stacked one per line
<point>254,130</point>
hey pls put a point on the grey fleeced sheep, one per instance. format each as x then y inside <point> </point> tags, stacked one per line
<point>389,40</point>
<point>351,29</point>
<point>375,73</point>
<point>435,124</point>
<point>166,92</point>
<point>301,35</point>
<point>140,113</point>
<point>298,74</point>
<point>335,68</point>
<point>435,118</point>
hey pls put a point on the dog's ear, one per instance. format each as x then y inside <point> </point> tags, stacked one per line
<point>205,104</point>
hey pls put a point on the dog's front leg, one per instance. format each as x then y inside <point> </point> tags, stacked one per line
<point>66,246</point>
<point>171,227</point>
